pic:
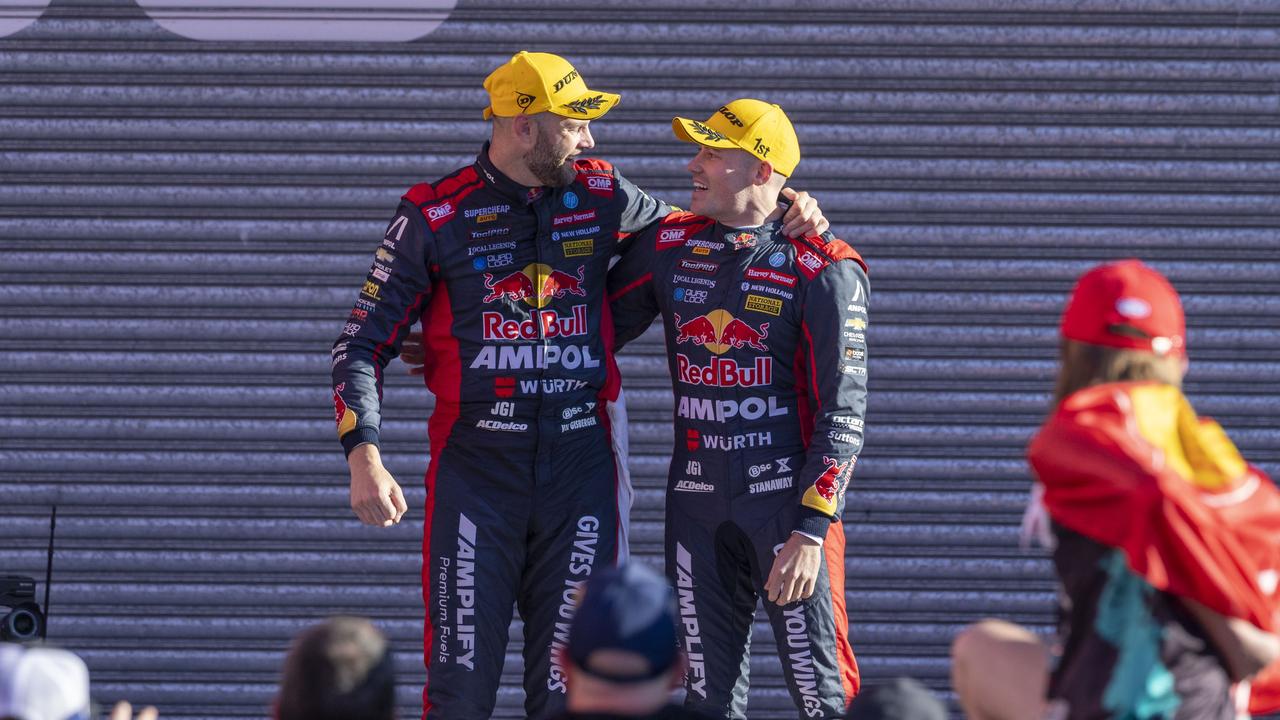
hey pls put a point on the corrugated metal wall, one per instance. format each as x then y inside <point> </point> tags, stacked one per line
<point>184,225</point>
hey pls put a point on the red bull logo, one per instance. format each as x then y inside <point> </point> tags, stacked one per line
<point>542,324</point>
<point>537,284</point>
<point>718,331</point>
<point>824,494</point>
<point>558,283</point>
<point>725,372</point>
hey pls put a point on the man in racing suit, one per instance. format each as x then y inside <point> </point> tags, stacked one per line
<point>766,345</point>
<point>505,262</point>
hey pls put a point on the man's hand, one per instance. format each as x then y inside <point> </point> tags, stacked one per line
<point>795,570</point>
<point>413,353</point>
<point>803,218</point>
<point>124,711</point>
<point>375,495</point>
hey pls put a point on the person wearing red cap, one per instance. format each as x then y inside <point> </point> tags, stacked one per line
<point>1165,541</point>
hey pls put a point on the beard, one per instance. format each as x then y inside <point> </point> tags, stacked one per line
<point>547,166</point>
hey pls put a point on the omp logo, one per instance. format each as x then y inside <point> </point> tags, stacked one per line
<point>438,215</point>
<point>297,20</point>
<point>696,679</point>
<point>671,237</point>
<point>600,185</point>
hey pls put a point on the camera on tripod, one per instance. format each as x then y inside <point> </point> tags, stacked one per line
<point>24,622</point>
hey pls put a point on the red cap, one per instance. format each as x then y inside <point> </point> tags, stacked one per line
<point>1127,305</point>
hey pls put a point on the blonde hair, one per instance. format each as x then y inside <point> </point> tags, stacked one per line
<point>1081,365</point>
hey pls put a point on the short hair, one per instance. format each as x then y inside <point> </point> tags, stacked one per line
<point>340,669</point>
<point>1082,365</point>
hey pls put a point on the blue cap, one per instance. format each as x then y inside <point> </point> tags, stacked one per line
<point>629,609</point>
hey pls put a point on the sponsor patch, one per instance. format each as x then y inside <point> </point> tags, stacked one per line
<point>670,237</point>
<point>691,296</point>
<point>491,213</point>
<point>343,416</point>
<point>810,263</point>
<point>601,185</point>
<point>573,218</point>
<point>502,426</point>
<point>578,248</point>
<point>764,486</point>
<point>773,276</point>
<point>759,303</point>
<point>491,247</point>
<point>701,266</point>
<point>705,282</point>
<point>438,215</point>
<point>490,233</point>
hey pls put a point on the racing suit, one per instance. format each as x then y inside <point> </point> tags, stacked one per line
<point>527,487</point>
<point>766,345</point>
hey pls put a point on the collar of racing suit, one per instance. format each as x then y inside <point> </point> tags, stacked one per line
<point>745,238</point>
<point>499,182</point>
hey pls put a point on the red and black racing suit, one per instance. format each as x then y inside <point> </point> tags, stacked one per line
<point>527,488</point>
<point>767,351</point>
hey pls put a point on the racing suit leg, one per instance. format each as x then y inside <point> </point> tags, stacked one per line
<point>813,635</point>
<point>473,551</point>
<point>710,566</point>
<point>574,529</point>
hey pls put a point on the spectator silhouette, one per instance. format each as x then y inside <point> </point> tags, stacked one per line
<point>340,669</point>
<point>622,660</point>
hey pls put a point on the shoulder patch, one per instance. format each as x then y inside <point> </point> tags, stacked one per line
<point>443,204</point>
<point>814,253</point>
<point>457,181</point>
<point>593,165</point>
<point>678,227</point>
<point>419,194</point>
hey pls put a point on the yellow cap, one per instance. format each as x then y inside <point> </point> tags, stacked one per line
<point>540,82</point>
<point>758,127</point>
